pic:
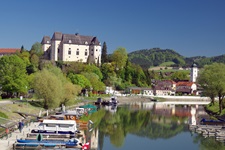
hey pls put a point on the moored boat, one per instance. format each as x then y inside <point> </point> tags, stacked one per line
<point>212,122</point>
<point>56,127</point>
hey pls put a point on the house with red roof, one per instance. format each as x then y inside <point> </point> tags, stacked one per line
<point>186,87</point>
<point>8,51</point>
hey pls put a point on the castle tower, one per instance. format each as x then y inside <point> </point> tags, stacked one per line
<point>194,73</point>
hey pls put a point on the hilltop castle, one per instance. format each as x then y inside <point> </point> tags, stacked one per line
<point>72,47</point>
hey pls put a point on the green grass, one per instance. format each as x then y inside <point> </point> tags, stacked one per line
<point>213,108</point>
<point>172,70</point>
<point>167,64</point>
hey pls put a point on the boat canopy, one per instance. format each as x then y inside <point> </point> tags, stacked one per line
<point>69,122</point>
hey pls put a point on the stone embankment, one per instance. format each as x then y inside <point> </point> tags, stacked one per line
<point>127,99</point>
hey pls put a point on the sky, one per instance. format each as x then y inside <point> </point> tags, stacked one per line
<point>189,27</point>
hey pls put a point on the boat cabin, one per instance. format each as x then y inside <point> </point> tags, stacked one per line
<point>57,126</point>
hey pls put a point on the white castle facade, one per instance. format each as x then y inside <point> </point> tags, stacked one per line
<point>72,47</point>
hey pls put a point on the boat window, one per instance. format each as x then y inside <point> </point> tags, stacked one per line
<point>50,125</point>
<point>64,125</point>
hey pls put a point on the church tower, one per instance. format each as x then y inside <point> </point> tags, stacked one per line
<point>194,73</point>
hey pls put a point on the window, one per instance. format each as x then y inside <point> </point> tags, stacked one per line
<point>58,50</point>
<point>85,53</point>
<point>96,50</point>
<point>69,51</point>
<point>77,52</point>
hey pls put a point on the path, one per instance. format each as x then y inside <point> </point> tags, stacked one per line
<point>7,144</point>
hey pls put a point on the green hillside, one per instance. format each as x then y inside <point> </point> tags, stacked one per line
<point>154,57</point>
<point>147,58</point>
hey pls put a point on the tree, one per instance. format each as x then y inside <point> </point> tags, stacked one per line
<point>104,56</point>
<point>70,92</point>
<point>107,70</point>
<point>212,80</point>
<point>119,57</point>
<point>96,84</point>
<point>48,87</point>
<point>13,75</point>
<point>180,75</point>
<point>138,76</point>
<point>25,56</point>
<point>22,49</point>
<point>93,69</point>
<point>128,71</point>
<point>80,80</point>
<point>37,49</point>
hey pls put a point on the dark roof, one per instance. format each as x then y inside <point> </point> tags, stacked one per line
<point>75,39</point>
<point>184,90</point>
<point>163,88</point>
<point>45,39</point>
<point>57,36</point>
<point>193,65</point>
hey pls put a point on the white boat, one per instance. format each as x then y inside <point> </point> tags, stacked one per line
<point>56,127</point>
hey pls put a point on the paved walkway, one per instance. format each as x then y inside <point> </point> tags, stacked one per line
<point>7,144</point>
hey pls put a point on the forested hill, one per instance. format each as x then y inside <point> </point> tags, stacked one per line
<point>156,56</point>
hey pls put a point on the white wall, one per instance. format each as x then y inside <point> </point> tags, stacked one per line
<point>73,57</point>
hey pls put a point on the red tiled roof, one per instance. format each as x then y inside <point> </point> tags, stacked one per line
<point>9,50</point>
<point>183,83</point>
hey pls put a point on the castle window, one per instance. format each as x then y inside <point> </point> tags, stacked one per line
<point>77,52</point>
<point>85,53</point>
<point>69,51</point>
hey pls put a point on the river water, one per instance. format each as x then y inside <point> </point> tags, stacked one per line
<point>149,125</point>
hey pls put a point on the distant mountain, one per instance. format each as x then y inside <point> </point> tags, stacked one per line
<point>156,56</point>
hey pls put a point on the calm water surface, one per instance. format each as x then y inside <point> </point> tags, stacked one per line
<point>149,126</point>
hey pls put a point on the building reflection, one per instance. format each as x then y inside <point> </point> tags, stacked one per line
<point>160,113</point>
<point>193,112</point>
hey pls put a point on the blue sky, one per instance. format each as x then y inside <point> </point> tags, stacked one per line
<point>190,27</point>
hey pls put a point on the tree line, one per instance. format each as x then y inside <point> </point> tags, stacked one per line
<point>60,82</point>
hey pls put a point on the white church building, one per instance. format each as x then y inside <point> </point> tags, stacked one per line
<point>194,73</point>
<point>72,47</point>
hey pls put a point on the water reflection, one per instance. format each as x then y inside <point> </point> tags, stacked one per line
<point>156,123</point>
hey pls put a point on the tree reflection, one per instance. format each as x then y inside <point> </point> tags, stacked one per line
<point>157,123</point>
<point>138,122</point>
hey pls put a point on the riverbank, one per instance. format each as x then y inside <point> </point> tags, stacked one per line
<point>7,143</point>
<point>132,99</point>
